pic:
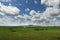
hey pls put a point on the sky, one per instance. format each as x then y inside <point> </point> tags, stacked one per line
<point>29,12</point>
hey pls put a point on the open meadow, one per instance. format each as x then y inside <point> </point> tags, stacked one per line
<point>30,33</point>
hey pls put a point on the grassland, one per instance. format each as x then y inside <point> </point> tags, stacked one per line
<point>30,33</point>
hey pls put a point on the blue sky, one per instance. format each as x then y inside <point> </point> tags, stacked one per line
<point>30,12</point>
<point>24,4</point>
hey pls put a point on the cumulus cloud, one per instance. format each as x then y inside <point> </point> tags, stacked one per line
<point>32,12</point>
<point>5,12</point>
<point>47,18</point>
<point>9,10</point>
<point>52,12</point>
<point>37,18</point>
<point>54,3</point>
<point>6,21</point>
<point>27,19</point>
<point>43,1</point>
<point>19,17</point>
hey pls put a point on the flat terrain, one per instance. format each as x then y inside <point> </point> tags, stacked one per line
<point>30,33</point>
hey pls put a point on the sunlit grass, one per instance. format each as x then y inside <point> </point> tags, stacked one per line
<point>30,33</point>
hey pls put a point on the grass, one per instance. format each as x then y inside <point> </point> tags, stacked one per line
<point>30,33</point>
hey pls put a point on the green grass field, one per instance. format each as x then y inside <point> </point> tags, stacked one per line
<point>30,33</point>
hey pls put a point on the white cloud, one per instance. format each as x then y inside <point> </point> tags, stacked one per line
<point>5,0</point>
<point>54,3</point>
<point>32,12</point>
<point>27,18</point>
<point>47,18</point>
<point>18,17</point>
<point>9,10</point>
<point>52,12</point>
<point>6,21</point>
<point>35,2</point>
<point>37,18</point>
<point>43,1</point>
<point>1,13</point>
<point>27,9</point>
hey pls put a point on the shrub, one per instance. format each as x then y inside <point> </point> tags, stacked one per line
<point>56,38</point>
<point>37,29</point>
<point>12,30</point>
